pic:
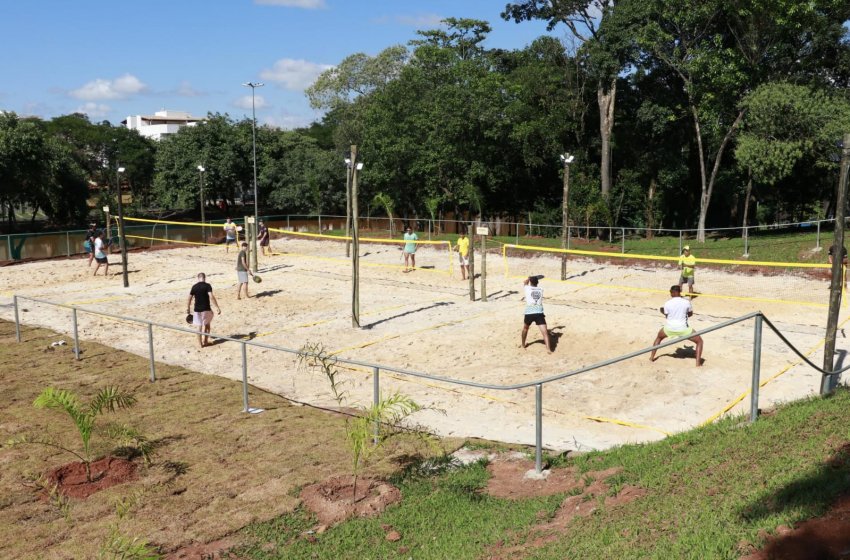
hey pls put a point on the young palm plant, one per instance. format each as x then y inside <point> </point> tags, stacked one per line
<point>384,200</point>
<point>107,400</point>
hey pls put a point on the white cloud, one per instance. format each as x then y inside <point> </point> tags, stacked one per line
<point>94,110</point>
<point>185,89</point>
<point>287,121</point>
<point>119,88</point>
<point>306,4</point>
<point>244,102</point>
<point>293,74</point>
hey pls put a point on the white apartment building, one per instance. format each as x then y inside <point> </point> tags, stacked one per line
<point>160,123</point>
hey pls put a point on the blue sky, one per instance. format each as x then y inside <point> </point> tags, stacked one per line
<point>114,58</point>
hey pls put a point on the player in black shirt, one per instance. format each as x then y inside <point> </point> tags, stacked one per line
<point>203,315</point>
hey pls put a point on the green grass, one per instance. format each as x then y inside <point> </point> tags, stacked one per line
<point>763,245</point>
<point>711,493</point>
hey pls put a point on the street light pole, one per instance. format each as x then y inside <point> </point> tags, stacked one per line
<point>352,167</point>
<point>254,86</point>
<point>203,217</point>
<point>122,238</point>
<point>567,159</point>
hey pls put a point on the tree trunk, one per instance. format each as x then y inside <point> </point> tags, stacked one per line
<point>708,186</point>
<point>650,208</point>
<point>606,100</point>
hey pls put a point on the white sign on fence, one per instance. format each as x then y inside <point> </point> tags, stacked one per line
<point>482,230</point>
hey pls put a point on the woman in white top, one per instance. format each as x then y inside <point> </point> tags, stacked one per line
<point>534,311</point>
<point>677,310</point>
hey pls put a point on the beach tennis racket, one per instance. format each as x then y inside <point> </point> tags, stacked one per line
<point>189,318</point>
<point>257,279</point>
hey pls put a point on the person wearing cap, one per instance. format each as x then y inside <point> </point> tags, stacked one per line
<point>410,250</point>
<point>677,310</point>
<point>687,262</point>
<point>263,238</point>
<point>534,311</point>
<point>229,234</point>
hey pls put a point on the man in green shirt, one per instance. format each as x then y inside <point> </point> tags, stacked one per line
<point>687,262</point>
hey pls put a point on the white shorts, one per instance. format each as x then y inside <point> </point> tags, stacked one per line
<point>463,260</point>
<point>202,318</point>
<point>242,276</point>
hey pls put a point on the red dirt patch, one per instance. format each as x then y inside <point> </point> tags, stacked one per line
<point>204,551</point>
<point>70,480</point>
<point>824,538</point>
<point>331,500</point>
<point>508,481</point>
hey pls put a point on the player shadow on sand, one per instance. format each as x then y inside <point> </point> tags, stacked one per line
<point>554,338</point>
<point>267,293</point>
<point>585,273</point>
<point>249,336</point>
<point>686,353</point>
<point>276,267</point>
<point>427,307</point>
<point>503,294</point>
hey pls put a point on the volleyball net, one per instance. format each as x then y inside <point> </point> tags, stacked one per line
<point>764,281</point>
<point>375,252</point>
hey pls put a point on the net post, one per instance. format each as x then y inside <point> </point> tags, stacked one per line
<point>376,398</point>
<point>538,428</point>
<point>754,392</point>
<point>245,377</point>
<point>150,349</point>
<point>17,319</point>
<point>76,334</point>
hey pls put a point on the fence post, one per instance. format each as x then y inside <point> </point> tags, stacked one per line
<point>166,233</point>
<point>680,242</point>
<point>623,234</point>
<point>746,242</point>
<point>568,237</point>
<point>320,223</point>
<point>517,233</point>
<point>287,221</point>
<point>376,398</point>
<point>76,335</point>
<point>754,392</point>
<point>68,243</point>
<point>17,320</point>
<point>817,239</point>
<point>9,246</point>
<point>538,428</point>
<point>245,376</point>
<point>150,348</point>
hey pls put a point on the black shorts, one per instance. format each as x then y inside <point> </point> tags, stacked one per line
<point>536,318</point>
<point>102,260</point>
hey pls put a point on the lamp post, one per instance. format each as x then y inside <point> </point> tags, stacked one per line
<point>566,159</point>
<point>121,235</point>
<point>352,167</point>
<point>254,86</point>
<point>203,217</point>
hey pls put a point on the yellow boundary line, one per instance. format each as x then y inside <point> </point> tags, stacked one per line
<point>627,424</point>
<point>784,370</point>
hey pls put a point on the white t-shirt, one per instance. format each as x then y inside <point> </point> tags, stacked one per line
<point>533,299</point>
<point>98,248</point>
<point>677,310</point>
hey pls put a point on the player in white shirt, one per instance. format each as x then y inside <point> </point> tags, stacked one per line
<point>677,310</point>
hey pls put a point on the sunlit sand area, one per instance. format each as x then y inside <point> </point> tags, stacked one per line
<point>424,321</point>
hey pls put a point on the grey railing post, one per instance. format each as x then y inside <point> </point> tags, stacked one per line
<point>150,348</point>
<point>538,428</point>
<point>245,376</point>
<point>76,335</point>
<point>376,398</point>
<point>754,392</point>
<point>17,320</point>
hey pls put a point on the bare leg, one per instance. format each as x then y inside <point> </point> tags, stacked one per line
<point>239,290</point>
<point>524,335</point>
<point>413,260</point>
<point>544,329</point>
<point>200,340</point>
<point>91,257</point>
<point>206,332</point>
<point>96,269</point>
<point>698,340</point>
<point>661,336</point>
<point>106,270</point>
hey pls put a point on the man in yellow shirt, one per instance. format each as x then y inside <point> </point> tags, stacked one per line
<point>463,254</point>
<point>687,262</point>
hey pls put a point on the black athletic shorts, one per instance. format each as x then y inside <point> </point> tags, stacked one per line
<point>102,260</point>
<point>536,318</point>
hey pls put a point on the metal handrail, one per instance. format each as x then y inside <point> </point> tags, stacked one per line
<point>537,384</point>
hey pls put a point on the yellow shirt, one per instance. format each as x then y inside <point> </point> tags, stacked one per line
<point>687,264</point>
<point>463,246</point>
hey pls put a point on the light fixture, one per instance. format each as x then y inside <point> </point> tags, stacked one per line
<point>201,168</point>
